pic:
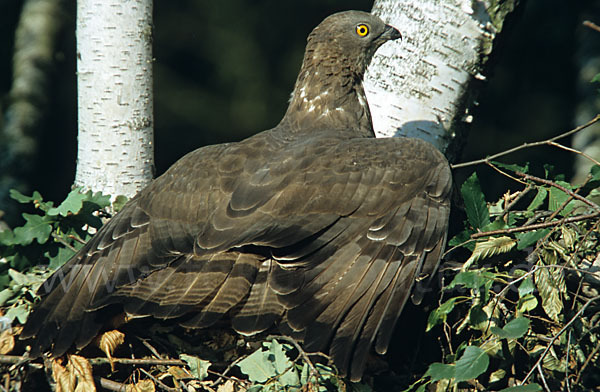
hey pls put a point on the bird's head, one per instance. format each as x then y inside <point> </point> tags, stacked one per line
<point>328,92</point>
<point>349,38</point>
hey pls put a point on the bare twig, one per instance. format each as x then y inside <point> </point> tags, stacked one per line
<point>562,188</point>
<point>562,330</point>
<point>539,368</point>
<point>583,154</point>
<point>111,385</point>
<point>160,383</point>
<point>591,25</point>
<point>139,362</point>
<point>527,145</point>
<point>62,241</point>
<point>536,226</point>
<point>313,370</point>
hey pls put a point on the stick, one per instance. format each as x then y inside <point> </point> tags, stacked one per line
<point>536,226</point>
<point>527,145</point>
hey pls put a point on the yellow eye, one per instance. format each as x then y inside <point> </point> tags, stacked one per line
<point>362,30</point>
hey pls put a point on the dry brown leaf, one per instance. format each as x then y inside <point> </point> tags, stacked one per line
<point>83,372</point>
<point>179,373</point>
<point>65,380</point>
<point>229,386</point>
<point>108,342</point>
<point>7,341</point>
<point>142,386</point>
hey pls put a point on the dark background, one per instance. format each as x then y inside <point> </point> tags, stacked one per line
<point>224,70</point>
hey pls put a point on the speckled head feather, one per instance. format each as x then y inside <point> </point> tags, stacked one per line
<point>329,86</point>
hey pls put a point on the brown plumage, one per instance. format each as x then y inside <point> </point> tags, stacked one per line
<point>314,225</point>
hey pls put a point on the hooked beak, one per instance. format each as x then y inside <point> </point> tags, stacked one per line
<point>390,33</point>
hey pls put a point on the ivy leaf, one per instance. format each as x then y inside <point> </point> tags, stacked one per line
<point>471,364</point>
<point>72,204</point>
<point>514,329</point>
<point>523,388</point>
<point>37,227</point>
<point>528,238</point>
<point>476,208</point>
<point>440,371</point>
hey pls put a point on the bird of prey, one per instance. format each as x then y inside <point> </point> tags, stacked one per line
<point>314,226</point>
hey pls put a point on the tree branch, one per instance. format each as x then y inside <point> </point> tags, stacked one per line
<point>527,145</point>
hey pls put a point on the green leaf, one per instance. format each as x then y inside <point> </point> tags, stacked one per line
<point>595,79</point>
<point>440,371</point>
<point>439,314</point>
<point>558,197</point>
<point>475,280</point>
<point>63,254</point>
<point>523,388</point>
<point>529,238</point>
<point>5,295</point>
<point>198,367</point>
<point>478,318</point>
<point>100,200</point>
<point>539,198</point>
<point>37,227</point>
<point>471,364</point>
<point>527,303</point>
<point>514,329</point>
<point>21,198</point>
<point>119,202</point>
<point>462,239</point>
<point>257,367</point>
<point>72,204</point>
<point>491,247</point>
<point>512,166</point>
<point>17,312</point>
<point>476,208</point>
<point>526,287</point>
<point>284,368</point>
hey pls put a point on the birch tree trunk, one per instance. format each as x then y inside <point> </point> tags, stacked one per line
<point>425,85</point>
<point>114,65</point>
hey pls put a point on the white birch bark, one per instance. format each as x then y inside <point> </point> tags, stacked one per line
<point>425,84</point>
<point>114,49</point>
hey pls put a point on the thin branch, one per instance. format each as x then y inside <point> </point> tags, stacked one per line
<point>111,385</point>
<point>583,154</point>
<point>536,226</point>
<point>313,370</point>
<point>562,330</point>
<point>160,383</point>
<point>591,25</point>
<point>139,362</point>
<point>62,241</point>
<point>527,145</point>
<point>562,188</point>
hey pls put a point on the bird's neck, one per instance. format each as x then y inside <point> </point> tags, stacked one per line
<point>324,98</point>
